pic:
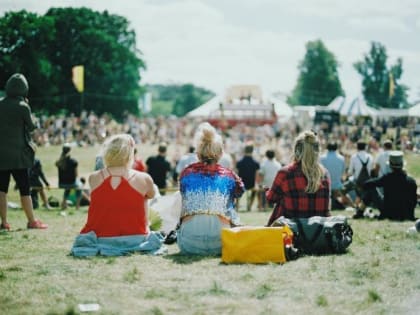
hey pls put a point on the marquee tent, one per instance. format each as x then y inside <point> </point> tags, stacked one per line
<point>337,103</point>
<point>414,111</point>
<point>357,107</point>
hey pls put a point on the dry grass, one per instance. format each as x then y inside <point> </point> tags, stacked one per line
<point>379,274</point>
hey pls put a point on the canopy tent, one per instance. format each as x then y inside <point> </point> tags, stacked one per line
<point>204,110</point>
<point>357,107</point>
<point>337,103</point>
<point>282,109</point>
<point>392,112</point>
<point>414,111</point>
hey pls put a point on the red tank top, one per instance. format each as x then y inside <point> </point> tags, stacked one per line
<point>116,212</point>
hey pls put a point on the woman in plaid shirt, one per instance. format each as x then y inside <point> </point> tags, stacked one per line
<point>302,188</point>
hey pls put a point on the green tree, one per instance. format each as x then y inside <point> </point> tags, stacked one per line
<point>45,49</point>
<point>24,38</point>
<point>176,99</point>
<point>105,45</point>
<point>188,99</point>
<point>376,77</point>
<point>318,82</point>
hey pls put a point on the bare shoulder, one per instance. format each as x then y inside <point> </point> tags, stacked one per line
<point>142,182</point>
<point>95,179</point>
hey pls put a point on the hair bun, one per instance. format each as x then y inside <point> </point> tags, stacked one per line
<point>207,136</point>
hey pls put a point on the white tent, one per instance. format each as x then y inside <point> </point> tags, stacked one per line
<point>337,103</point>
<point>357,107</point>
<point>392,112</point>
<point>209,107</point>
<point>282,109</point>
<point>414,111</point>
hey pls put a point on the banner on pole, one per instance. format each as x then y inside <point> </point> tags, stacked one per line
<point>78,74</point>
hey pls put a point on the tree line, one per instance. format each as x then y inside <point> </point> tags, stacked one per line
<point>46,47</point>
<point>319,83</point>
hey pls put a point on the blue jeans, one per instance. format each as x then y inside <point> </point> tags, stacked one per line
<point>200,235</point>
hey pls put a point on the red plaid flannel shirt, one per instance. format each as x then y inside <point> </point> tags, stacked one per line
<point>289,196</point>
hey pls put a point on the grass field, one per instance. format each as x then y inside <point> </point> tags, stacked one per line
<point>379,275</point>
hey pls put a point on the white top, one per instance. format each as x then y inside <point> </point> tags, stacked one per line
<point>269,169</point>
<point>356,165</point>
<point>382,160</point>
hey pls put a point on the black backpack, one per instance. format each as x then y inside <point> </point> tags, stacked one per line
<point>364,173</point>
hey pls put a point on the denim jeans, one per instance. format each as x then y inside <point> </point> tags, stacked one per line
<point>200,235</point>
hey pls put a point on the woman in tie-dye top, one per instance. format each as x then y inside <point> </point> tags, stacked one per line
<point>209,192</point>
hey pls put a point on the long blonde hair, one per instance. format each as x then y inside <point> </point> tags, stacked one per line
<point>209,143</point>
<point>306,151</point>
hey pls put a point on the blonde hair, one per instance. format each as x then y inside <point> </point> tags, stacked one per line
<point>118,150</point>
<point>306,151</point>
<point>209,143</point>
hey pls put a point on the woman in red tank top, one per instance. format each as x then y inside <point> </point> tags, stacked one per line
<point>119,196</point>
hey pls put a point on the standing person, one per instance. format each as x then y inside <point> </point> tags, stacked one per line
<point>117,221</point>
<point>186,159</point>
<point>208,192</point>
<point>400,191</point>
<point>67,175</point>
<point>247,170</point>
<point>36,180</point>
<point>302,188</point>
<point>336,166</point>
<point>360,168</point>
<point>269,168</point>
<point>159,167</point>
<point>17,156</point>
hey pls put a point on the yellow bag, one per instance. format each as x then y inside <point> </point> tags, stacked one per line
<point>253,244</point>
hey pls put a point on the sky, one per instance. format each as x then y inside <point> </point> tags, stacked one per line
<point>218,43</point>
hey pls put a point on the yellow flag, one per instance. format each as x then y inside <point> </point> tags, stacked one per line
<point>78,74</point>
<point>391,85</point>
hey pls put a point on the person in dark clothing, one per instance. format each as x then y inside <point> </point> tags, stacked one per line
<point>400,191</point>
<point>247,170</point>
<point>37,180</point>
<point>17,153</point>
<point>158,168</point>
<point>67,176</point>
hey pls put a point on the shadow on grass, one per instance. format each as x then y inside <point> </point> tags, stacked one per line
<point>183,259</point>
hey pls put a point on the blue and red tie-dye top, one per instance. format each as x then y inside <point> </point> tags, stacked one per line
<point>210,189</point>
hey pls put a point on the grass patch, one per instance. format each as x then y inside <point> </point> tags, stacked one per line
<point>263,291</point>
<point>373,297</point>
<point>217,289</point>
<point>321,300</point>
<point>132,276</point>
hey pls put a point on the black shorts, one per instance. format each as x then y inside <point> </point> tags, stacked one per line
<point>21,177</point>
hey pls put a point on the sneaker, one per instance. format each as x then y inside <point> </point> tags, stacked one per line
<point>47,206</point>
<point>170,238</point>
<point>5,226</point>
<point>358,214</point>
<point>37,224</point>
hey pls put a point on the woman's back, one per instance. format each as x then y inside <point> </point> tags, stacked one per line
<point>117,208</point>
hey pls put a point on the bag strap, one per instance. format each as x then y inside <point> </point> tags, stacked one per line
<point>363,163</point>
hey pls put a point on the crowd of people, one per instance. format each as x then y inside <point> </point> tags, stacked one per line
<point>282,166</point>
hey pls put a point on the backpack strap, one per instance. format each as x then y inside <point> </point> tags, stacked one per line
<point>363,163</point>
